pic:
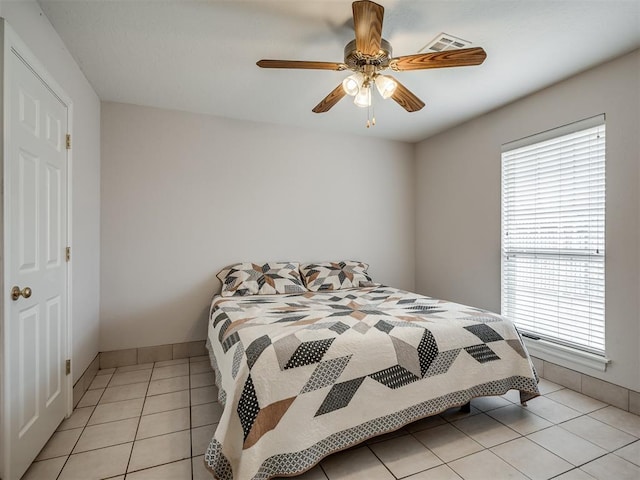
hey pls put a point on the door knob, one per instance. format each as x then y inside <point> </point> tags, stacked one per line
<point>16,292</point>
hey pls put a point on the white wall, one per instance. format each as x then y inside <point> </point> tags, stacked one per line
<point>458,201</point>
<point>184,195</point>
<point>31,25</point>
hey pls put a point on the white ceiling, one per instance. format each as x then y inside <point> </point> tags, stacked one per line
<point>199,56</point>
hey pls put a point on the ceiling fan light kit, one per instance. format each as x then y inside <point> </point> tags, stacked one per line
<point>357,85</point>
<point>363,97</point>
<point>353,83</point>
<point>386,85</point>
<point>368,55</point>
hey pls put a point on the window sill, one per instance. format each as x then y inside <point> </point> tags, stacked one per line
<point>565,356</point>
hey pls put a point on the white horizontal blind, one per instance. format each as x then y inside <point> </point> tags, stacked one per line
<point>553,199</point>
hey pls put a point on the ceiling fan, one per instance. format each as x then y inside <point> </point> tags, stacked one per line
<point>369,54</point>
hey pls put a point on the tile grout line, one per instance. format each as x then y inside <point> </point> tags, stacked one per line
<point>94,407</point>
<point>607,452</point>
<point>492,446</point>
<point>523,473</point>
<point>133,444</point>
<point>483,447</point>
<point>542,446</point>
<point>455,459</point>
<point>124,442</point>
<point>535,414</point>
<point>574,467</point>
<point>380,460</point>
<point>437,456</point>
<point>568,471</point>
<point>451,421</point>
<point>322,470</point>
<point>597,420</point>
<point>84,427</point>
<point>190,422</point>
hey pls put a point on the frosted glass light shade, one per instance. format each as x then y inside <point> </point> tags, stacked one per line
<point>385,85</point>
<point>352,84</point>
<point>363,98</point>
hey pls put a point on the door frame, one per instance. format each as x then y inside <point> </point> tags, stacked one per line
<point>12,45</point>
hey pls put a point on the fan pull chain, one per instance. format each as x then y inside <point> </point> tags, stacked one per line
<point>371,115</point>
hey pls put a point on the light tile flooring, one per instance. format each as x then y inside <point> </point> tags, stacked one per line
<point>154,422</point>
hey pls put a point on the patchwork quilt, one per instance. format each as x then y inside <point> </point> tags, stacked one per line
<point>304,375</point>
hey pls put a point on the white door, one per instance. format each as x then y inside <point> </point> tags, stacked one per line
<point>35,170</point>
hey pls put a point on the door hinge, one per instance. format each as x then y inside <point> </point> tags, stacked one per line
<point>68,254</point>
<point>67,367</point>
<point>68,141</point>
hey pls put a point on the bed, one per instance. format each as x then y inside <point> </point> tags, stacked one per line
<point>307,373</point>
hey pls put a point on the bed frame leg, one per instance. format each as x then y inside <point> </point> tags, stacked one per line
<point>466,408</point>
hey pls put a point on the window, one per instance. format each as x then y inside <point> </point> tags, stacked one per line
<point>553,256</point>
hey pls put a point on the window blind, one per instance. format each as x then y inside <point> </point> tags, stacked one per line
<point>553,219</point>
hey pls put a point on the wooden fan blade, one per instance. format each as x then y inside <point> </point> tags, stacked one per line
<point>450,58</point>
<point>301,64</point>
<point>367,22</point>
<point>406,99</point>
<point>330,100</point>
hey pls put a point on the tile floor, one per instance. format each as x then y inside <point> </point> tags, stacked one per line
<point>154,422</point>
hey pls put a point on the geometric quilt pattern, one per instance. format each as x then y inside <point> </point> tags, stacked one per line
<point>442,362</point>
<point>484,332</point>
<point>238,357</point>
<point>335,275</point>
<point>339,396</point>
<point>394,377</point>
<point>256,348</point>
<point>326,373</point>
<point>248,407</point>
<point>482,353</point>
<point>285,362</point>
<point>260,279</point>
<point>427,351</point>
<point>309,352</point>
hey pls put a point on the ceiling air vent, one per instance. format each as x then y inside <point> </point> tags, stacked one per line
<point>444,41</point>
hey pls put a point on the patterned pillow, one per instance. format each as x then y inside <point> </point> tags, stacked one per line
<point>253,279</point>
<point>335,275</point>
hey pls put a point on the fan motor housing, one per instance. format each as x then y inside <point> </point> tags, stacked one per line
<point>356,60</point>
